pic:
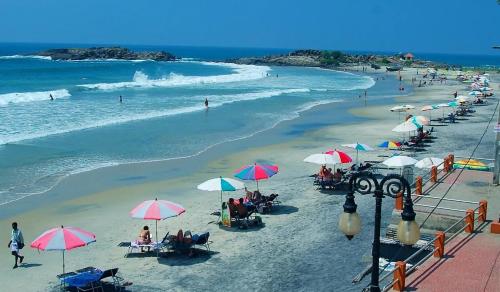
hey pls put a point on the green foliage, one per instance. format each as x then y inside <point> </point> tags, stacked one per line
<point>331,58</point>
<point>385,61</point>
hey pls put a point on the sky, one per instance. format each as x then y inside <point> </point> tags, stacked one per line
<point>442,26</point>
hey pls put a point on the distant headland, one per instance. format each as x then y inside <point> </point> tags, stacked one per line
<point>102,53</point>
<point>334,59</point>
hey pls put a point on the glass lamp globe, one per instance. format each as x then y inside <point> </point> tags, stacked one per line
<point>350,224</point>
<point>408,232</point>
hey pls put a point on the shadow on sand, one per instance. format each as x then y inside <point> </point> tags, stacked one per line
<point>238,229</point>
<point>182,259</point>
<point>283,210</point>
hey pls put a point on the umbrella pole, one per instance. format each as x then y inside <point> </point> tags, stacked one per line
<point>357,156</point>
<point>63,262</point>
<point>220,205</point>
<point>257,184</point>
<point>156,246</point>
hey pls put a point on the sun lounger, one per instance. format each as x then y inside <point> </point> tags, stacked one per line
<point>134,245</point>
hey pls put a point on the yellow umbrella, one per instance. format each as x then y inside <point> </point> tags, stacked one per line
<point>470,164</point>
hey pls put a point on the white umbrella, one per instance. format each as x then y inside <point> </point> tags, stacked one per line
<point>401,108</point>
<point>404,127</point>
<point>221,184</point>
<point>429,162</point>
<point>442,106</point>
<point>322,159</point>
<point>462,98</point>
<point>399,161</point>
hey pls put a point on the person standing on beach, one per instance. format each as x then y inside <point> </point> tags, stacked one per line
<point>51,97</point>
<point>16,243</point>
<point>206,102</point>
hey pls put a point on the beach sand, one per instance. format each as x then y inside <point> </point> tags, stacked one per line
<point>299,247</point>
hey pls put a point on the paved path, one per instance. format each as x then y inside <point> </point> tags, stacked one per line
<point>471,263</point>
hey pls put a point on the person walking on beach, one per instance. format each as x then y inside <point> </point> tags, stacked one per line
<point>121,99</point>
<point>16,243</point>
<point>51,97</point>
<point>206,102</point>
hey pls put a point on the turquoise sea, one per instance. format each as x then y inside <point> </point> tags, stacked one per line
<point>162,115</point>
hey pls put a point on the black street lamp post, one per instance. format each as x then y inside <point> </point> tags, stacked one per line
<point>392,185</point>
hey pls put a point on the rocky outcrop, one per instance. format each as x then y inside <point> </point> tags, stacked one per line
<point>329,59</point>
<point>100,53</point>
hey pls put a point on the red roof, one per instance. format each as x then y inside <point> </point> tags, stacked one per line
<point>409,55</point>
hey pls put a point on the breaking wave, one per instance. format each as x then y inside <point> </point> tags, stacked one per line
<point>20,97</point>
<point>141,80</point>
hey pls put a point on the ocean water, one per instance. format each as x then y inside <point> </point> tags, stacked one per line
<point>162,115</point>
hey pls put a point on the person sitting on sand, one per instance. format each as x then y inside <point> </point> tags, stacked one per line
<point>322,171</point>
<point>257,197</point>
<point>144,237</point>
<point>328,174</point>
<point>337,176</point>
<point>233,211</point>
<point>241,209</point>
<point>249,195</point>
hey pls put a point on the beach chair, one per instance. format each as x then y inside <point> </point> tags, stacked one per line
<point>202,239</point>
<point>117,281</point>
<point>153,246</point>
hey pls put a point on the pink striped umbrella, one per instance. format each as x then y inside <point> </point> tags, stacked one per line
<point>63,238</point>
<point>256,172</point>
<point>156,210</point>
<point>340,156</point>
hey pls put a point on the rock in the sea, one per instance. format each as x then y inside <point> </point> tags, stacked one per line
<point>100,53</point>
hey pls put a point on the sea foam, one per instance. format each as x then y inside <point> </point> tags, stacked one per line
<point>25,57</point>
<point>141,79</point>
<point>20,97</point>
<point>215,101</point>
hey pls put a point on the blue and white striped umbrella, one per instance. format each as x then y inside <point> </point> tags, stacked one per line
<point>221,184</point>
<point>358,147</point>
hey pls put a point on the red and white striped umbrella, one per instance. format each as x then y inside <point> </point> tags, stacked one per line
<point>63,238</point>
<point>156,210</point>
<point>339,156</point>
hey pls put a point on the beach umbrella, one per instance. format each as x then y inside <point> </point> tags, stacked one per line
<point>429,162</point>
<point>462,98</point>
<point>404,127</point>
<point>442,106</point>
<point>63,239</point>
<point>222,184</point>
<point>358,147</point>
<point>339,156</point>
<point>256,172</point>
<point>156,210</point>
<point>429,108</point>
<point>420,121</point>
<point>470,164</point>
<point>399,161</point>
<point>390,145</point>
<point>321,158</point>
<point>401,108</point>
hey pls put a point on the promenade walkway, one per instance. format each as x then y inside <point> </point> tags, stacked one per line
<point>471,263</point>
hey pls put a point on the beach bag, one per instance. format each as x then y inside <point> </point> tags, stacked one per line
<point>20,245</point>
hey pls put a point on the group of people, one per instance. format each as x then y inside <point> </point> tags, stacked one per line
<point>185,238</point>
<point>326,174</point>
<point>240,209</point>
